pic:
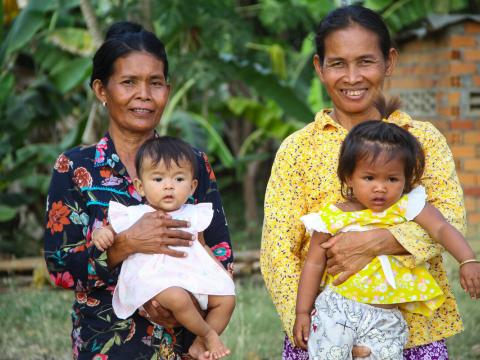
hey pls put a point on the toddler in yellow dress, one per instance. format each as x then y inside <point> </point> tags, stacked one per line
<point>380,164</point>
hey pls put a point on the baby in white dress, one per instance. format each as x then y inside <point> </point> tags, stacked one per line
<point>166,178</point>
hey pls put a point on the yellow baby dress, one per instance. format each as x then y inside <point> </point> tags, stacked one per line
<point>384,280</point>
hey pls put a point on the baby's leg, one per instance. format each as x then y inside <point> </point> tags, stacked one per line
<point>179,302</point>
<point>220,309</point>
<point>384,331</point>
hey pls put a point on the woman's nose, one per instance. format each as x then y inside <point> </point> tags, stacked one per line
<point>352,74</point>
<point>144,91</point>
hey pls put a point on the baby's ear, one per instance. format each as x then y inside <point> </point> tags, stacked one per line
<point>137,183</point>
<point>194,186</point>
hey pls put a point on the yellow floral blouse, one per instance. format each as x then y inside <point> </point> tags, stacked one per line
<point>384,280</point>
<point>303,180</point>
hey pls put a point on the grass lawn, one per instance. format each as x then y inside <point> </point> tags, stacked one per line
<point>36,324</point>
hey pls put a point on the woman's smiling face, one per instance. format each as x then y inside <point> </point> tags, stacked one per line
<point>136,93</point>
<point>353,71</point>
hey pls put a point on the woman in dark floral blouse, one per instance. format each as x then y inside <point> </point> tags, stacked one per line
<point>129,78</point>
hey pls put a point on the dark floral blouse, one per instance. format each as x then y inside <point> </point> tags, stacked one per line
<point>84,180</point>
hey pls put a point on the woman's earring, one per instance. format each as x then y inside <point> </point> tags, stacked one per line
<point>104,103</point>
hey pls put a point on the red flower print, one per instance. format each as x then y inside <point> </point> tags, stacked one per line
<point>64,280</point>
<point>222,251</point>
<point>81,297</point>
<point>57,217</point>
<point>62,164</point>
<point>92,302</point>
<point>211,175</point>
<point>105,172</point>
<point>100,357</point>
<point>82,178</point>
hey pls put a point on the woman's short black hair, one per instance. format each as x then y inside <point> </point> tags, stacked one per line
<point>166,148</point>
<point>343,17</point>
<point>370,139</point>
<point>123,38</point>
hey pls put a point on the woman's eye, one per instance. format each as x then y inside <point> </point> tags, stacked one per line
<point>128,82</point>
<point>335,64</point>
<point>158,83</point>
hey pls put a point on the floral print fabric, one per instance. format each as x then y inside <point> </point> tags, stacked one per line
<point>84,180</point>
<point>303,180</point>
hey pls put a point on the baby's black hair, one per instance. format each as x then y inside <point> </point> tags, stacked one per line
<point>166,148</point>
<point>370,139</point>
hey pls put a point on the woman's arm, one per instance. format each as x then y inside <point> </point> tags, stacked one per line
<point>283,232</point>
<point>217,235</point>
<point>308,287</point>
<point>71,259</point>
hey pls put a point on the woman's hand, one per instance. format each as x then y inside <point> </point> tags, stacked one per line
<point>154,233</point>
<point>348,253</point>
<point>153,311</point>
<point>156,313</point>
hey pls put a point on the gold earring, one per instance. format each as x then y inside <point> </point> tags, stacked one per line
<point>349,192</point>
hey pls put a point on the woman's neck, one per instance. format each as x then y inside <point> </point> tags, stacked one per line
<point>127,145</point>
<point>349,120</point>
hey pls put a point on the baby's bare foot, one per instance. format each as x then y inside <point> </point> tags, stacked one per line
<point>217,348</point>
<point>198,350</point>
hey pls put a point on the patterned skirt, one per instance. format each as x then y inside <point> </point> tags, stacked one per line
<point>433,351</point>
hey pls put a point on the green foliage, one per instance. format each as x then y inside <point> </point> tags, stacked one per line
<point>241,76</point>
<point>406,13</point>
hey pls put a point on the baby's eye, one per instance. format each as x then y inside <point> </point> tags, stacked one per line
<point>180,179</point>
<point>393,179</point>
<point>368,178</point>
<point>157,179</point>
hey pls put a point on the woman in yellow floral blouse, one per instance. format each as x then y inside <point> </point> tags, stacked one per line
<point>354,55</point>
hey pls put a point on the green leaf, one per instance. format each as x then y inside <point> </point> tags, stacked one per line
<point>71,74</point>
<point>268,85</point>
<point>42,6</point>
<point>77,41</point>
<point>6,86</point>
<point>24,28</point>
<point>7,213</point>
<point>107,345</point>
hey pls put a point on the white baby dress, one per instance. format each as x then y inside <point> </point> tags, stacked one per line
<point>143,276</point>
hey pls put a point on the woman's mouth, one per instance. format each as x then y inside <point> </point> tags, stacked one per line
<point>353,93</point>
<point>141,111</point>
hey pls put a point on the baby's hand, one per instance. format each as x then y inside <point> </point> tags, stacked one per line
<point>102,238</point>
<point>301,330</point>
<point>470,279</point>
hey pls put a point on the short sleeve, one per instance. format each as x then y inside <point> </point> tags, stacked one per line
<point>204,215</point>
<point>415,202</point>
<point>314,222</point>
